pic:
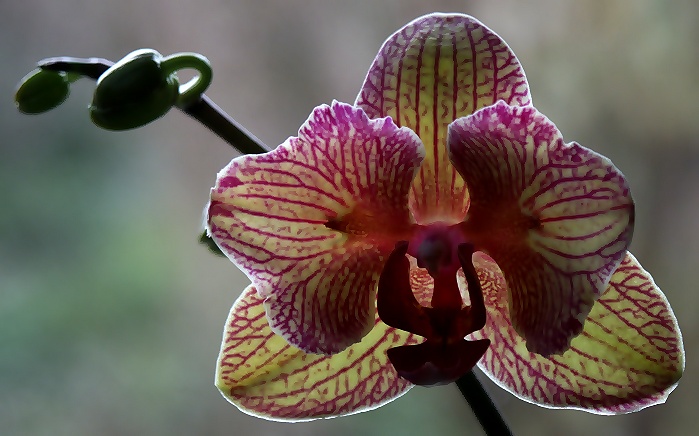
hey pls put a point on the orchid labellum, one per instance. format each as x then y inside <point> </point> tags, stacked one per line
<point>438,223</point>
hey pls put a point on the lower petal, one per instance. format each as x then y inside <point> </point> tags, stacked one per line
<point>629,356</point>
<point>261,374</point>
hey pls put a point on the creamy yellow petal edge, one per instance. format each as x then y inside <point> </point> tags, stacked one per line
<point>629,356</point>
<point>436,69</point>
<point>260,373</point>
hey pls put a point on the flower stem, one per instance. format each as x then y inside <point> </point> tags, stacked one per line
<point>215,119</point>
<point>482,405</point>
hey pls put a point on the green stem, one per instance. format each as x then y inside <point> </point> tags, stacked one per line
<point>482,405</point>
<point>215,119</point>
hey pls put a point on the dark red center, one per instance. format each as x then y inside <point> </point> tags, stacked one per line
<point>445,355</point>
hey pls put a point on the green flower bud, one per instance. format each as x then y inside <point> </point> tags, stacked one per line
<point>133,92</point>
<point>41,91</point>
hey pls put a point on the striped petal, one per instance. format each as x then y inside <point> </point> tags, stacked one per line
<point>557,218</point>
<point>436,69</point>
<point>628,357</point>
<point>311,221</point>
<point>264,376</point>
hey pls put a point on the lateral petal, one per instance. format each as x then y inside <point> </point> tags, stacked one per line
<point>556,217</point>
<point>436,69</point>
<point>629,356</point>
<point>260,373</point>
<point>310,222</point>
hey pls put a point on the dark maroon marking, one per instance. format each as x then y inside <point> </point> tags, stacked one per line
<point>430,364</point>
<point>445,355</point>
<point>395,301</point>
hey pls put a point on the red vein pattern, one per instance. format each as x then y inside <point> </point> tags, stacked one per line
<point>263,375</point>
<point>312,221</point>
<point>429,73</point>
<point>556,217</point>
<point>628,357</point>
<point>272,214</point>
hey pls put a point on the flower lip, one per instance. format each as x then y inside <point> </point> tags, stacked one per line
<point>445,355</point>
<point>430,364</point>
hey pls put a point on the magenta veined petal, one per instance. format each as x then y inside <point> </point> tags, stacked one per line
<point>310,222</point>
<point>629,356</point>
<point>436,69</point>
<point>260,373</point>
<point>556,217</point>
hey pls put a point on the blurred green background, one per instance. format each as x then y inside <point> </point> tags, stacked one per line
<point>111,313</point>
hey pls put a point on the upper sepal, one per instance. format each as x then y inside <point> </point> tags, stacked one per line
<point>556,217</point>
<point>436,69</point>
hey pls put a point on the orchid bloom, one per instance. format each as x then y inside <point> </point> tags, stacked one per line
<point>443,198</point>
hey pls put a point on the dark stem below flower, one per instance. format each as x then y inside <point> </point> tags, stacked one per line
<point>218,121</point>
<point>482,405</point>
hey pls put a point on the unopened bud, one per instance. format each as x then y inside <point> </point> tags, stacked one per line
<point>41,91</point>
<point>133,92</point>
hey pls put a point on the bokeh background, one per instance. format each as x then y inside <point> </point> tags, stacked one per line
<point>110,311</point>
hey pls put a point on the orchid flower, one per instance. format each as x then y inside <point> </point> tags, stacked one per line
<point>443,198</point>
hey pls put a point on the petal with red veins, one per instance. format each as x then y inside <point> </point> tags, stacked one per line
<point>436,69</point>
<point>556,217</point>
<point>629,356</point>
<point>311,221</point>
<point>263,375</point>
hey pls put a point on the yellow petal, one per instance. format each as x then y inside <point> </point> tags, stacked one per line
<point>260,373</point>
<point>629,356</point>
